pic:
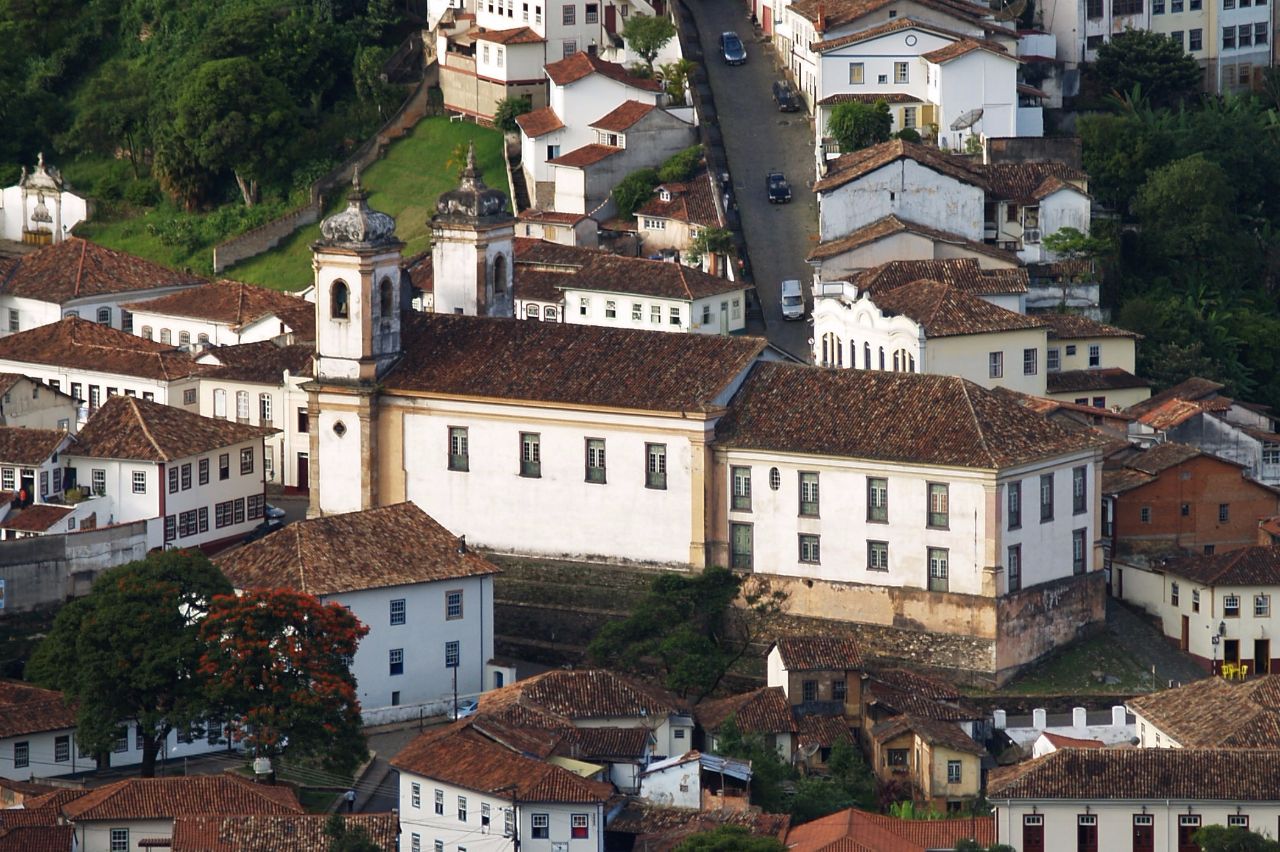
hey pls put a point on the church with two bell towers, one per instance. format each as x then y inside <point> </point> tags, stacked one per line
<point>488,423</point>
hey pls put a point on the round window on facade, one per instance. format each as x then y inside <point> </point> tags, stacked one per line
<point>339,428</point>
<point>775,478</point>
<point>911,41</point>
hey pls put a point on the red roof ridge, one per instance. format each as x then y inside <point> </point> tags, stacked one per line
<point>146,430</point>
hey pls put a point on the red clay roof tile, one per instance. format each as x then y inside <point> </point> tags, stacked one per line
<point>581,64</point>
<point>126,427</point>
<point>180,795</point>
<point>76,268</point>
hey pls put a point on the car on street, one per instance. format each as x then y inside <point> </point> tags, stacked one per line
<point>778,188</point>
<point>792,299</point>
<point>732,49</point>
<point>785,96</point>
<point>263,529</point>
<point>275,513</point>
<point>465,708</point>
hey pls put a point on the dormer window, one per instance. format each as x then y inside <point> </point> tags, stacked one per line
<point>664,194</point>
<point>340,300</point>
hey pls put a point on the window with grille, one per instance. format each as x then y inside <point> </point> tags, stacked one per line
<point>1262,606</point>
<point>139,482</point>
<point>1029,362</point>
<point>453,605</point>
<point>541,825</point>
<point>99,480</point>
<point>264,409</point>
<point>1015,505</point>
<point>877,500</point>
<point>1224,512</point>
<point>810,550</point>
<point>939,514</point>
<point>877,556</point>
<point>578,826</point>
<point>637,311</point>
<point>530,454</point>
<point>186,477</point>
<point>775,479</point>
<point>62,749</point>
<point>21,755</point>
<point>462,808</point>
<point>1078,551</point>
<point>398,611</point>
<point>1014,567</point>
<point>440,802</point>
<point>741,488</point>
<point>809,494</point>
<point>173,479</point>
<point>1079,490</point>
<point>170,527</point>
<point>119,840</point>
<point>203,471</point>
<point>246,461</point>
<point>995,365</point>
<point>395,660</point>
<point>901,72</point>
<point>595,460</point>
<point>939,577</point>
<point>953,771</point>
<point>655,466</point>
<point>1046,497</point>
<point>1053,360</point>
<point>451,655</point>
<point>458,451</point>
<point>1231,606</point>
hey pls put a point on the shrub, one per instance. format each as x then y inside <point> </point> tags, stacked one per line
<point>908,134</point>
<point>633,191</point>
<point>143,192</point>
<point>680,167</point>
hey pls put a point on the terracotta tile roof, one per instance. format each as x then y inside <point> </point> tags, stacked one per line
<point>624,116</point>
<point>587,155</point>
<point>573,68</point>
<point>37,838</point>
<point>853,830</point>
<point>331,555</point>
<point>823,731</point>
<point>76,268</point>
<point>26,709</point>
<point>552,217</point>
<point>421,272</point>
<point>963,273</point>
<point>819,653</point>
<point>37,518</point>
<point>946,311</point>
<point>585,694</point>
<point>864,98</point>
<point>540,122</point>
<point>938,732</point>
<point>234,303</point>
<point>1066,326</point>
<point>520,35</point>
<point>1106,378</point>
<point>869,33</point>
<point>1216,713</point>
<point>52,803</point>
<point>1045,406</point>
<point>1249,566</point>
<point>456,755</point>
<point>181,795</point>
<point>849,167</point>
<point>1021,181</point>
<point>80,344</point>
<point>659,829</point>
<point>126,427</point>
<point>568,364</point>
<point>891,225</point>
<point>276,832</point>
<point>964,47</point>
<point>1193,389</point>
<point>600,271</point>
<point>1175,412</point>
<point>23,790</point>
<point>902,691</point>
<point>909,417</point>
<point>28,446</point>
<point>1059,741</point>
<point>761,711</point>
<point>838,13</point>
<point>538,285</point>
<point>1194,774</point>
<point>606,744</point>
<point>263,362</point>
<point>693,202</point>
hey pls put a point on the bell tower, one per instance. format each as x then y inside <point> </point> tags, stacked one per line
<point>473,248</point>
<point>358,291</point>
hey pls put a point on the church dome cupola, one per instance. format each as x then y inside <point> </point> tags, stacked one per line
<point>358,225</point>
<point>473,200</point>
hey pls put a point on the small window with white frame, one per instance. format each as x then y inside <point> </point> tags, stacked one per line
<point>1231,606</point>
<point>398,611</point>
<point>1237,820</point>
<point>139,482</point>
<point>1262,606</point>
<point>453,605</point>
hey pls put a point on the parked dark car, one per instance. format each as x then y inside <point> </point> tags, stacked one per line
<point>785,97</point>
<point>263,529</point>
<point>732,49</point>
<point>779,189</point>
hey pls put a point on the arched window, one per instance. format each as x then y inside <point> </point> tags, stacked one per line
<point>104,316</point>
<point>219,402</point>
<point>897,360</point>
<point>500,274</point>
<point>184,338</point>
<point>339,300</point>
<point>531,311</point>
<point>166,336</point>
<point>242,406</point>
<point>386,298</point>
<point>881,357</point>
<point>866,356</point>
<point>148,333</point>
<point>853,354</point>
<point>203,338</point>
<point>549,314</point>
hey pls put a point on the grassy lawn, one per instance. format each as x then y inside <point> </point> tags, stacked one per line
<point>404,183</point>
<point>1072,671</point>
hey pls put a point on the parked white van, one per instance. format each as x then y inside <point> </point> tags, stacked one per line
<point>792,300</point>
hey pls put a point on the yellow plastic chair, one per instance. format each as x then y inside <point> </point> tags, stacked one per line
<point>1228,670</point>
<point>1244,670</point>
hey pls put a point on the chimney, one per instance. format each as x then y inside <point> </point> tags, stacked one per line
<point>462,544</point>
<point>1079,717</point>
<point>1039,719</point>
<point>999,719</point>
<point>822,18</point>
<point>1118,717</point>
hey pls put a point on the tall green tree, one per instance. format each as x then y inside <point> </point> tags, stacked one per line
<point>1152,60</point>
<point>277,662</point>
<point>112,112</point>
<point>508,110</point>
<point>691,628</point>
<point>1216,838</point>
<point>647,35</point>
<point>856,125</point>
<point>130,650</point>
<point>234,118</point>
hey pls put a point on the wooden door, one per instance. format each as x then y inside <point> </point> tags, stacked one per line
<point>1033,833</point>
<point>1261,656</point>
<point>1144,833</point>
<point>768,20</point>
<point>610,18</point>
<point>304,471</point>
<point>1185,642</point>
<point>1231,650</point>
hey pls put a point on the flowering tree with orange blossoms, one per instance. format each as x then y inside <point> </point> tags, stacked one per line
<point>278,663</point>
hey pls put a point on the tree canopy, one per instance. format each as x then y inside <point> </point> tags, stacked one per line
<point>508,110</point>
<point>1216,838</point>
<point>647,34</point>
<point>130,650</point>
<point>730,838</point>
<point>690,628</point>
<point>1152,60</point>
<point>276,662</point>
<point>855,125</point>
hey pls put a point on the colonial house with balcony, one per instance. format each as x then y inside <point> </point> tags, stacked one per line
<point>224,313</point>
<point>1176,499</point>
<point>426,599</point>
<point>77,278</point>
<point>986,521</point>
<point>1066,800</point>
<point>1217,607</point>
<point>198,479</point>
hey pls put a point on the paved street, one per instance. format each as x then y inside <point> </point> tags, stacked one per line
<point>758,139</point>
